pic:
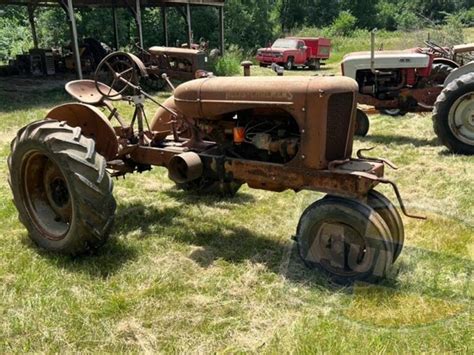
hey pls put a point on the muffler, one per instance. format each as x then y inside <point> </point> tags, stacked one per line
<point>185,168</point>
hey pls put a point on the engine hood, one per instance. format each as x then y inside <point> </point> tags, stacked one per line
<point>211,97</point>
<point>384,60</point>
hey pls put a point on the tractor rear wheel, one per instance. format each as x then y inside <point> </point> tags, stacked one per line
<point>439,73</point>
<point>347,240</point>
<point>390,215</point>
<point>61,188</point>
<point>453,115</point>
<point>362,124</point>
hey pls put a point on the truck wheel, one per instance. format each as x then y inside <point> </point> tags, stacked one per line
<point>390,215</point>
<point>211,187</point>
<point>362,123</point>
<point>453,115</point>
<point>290,64</point>
<point>315,64</point>
<point>61,188</point>
<point>347,240</point>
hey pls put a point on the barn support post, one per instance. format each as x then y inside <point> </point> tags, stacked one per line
<point>164,18</point>
<point>138,18</point>
<point>31,18</point>
<point>221,30</point>
<point>115,22</point>
<point>190,30</point>
<point>68,6</point>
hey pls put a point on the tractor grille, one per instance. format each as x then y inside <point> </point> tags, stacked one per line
<point>338,125</point>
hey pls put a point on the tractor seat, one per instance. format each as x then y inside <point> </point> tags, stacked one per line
<point>86,92</point>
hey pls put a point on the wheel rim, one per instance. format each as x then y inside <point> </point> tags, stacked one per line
<point>392,112</point>
<point>46,196</point>
<point>461,119</point>
<point>341,249</point>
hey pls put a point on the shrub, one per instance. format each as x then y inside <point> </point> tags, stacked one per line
<point>228,64</point>
<point>344,24</point>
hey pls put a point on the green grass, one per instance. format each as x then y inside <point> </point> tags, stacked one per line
<point>183,273</point>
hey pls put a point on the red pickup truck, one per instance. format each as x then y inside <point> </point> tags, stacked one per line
<point>294,52</point>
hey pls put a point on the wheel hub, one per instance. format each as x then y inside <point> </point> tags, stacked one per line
<point>46,196</point>
<point>341,248</point>
<point>461,119</point>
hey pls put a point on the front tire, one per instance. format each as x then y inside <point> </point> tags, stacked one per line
<point>290,64</point>
<point>347,240</point>
<point>362,124</point>
<point>60,187</point>
<point>453,115</point>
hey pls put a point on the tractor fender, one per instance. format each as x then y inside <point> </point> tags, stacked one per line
<point>448,62</point>
<point>162,120</point>
<point>93,123</point>
<point>457,73</point>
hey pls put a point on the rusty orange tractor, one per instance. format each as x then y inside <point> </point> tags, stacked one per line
<point>213,135</point>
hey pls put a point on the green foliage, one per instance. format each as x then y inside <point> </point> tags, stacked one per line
<point>229,64</point>
<point>407,21</point>
<point>344,24</point>
<point>250,24</point>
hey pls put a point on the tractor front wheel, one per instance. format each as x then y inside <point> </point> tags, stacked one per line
<point>390,215</point>
<point>61,188</point>
<point>362,124</point>
<point>347,240</point>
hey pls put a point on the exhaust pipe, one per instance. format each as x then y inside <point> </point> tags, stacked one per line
<point>185,168</point>
<point>372,50</point>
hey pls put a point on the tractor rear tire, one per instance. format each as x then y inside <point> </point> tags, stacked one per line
<point>345,239</point>
<point>362,124</point>
<point>453,115</point>
<point>439,73</point>
<point>390,215</point>
<point>61,188</point>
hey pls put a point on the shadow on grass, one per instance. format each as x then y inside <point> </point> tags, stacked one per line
<point>217,238</point>
<point>401,140</point>
<point>102,263</point>
<point>209,200</point>
<point>223,239</point>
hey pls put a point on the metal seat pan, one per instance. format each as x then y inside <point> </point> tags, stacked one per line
<point>85,91</point>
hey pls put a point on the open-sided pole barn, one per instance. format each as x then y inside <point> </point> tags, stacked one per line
<point>135,7</point>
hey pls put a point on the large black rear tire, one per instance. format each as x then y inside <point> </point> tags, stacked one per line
<point>453,115</point>
<point>61,188</point>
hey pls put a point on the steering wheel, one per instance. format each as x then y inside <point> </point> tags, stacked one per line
<point>118,71</point>
<point>437,48</point>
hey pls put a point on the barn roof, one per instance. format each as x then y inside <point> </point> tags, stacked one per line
<point>116,3</point>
